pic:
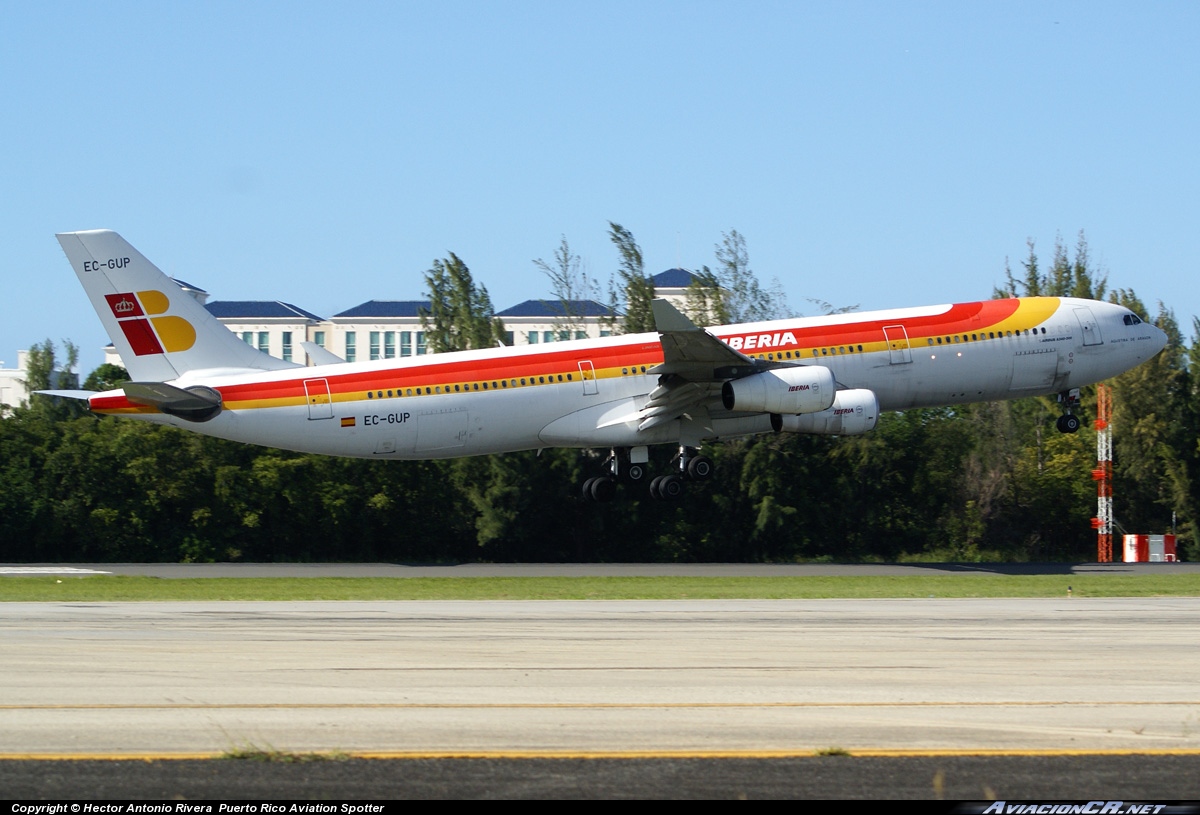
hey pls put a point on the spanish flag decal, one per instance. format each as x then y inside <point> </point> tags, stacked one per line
<point>348,421</point>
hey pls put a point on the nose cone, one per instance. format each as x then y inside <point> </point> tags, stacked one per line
<point>1159,339</point>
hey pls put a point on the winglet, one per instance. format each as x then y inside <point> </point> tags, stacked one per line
<point>669,318</point>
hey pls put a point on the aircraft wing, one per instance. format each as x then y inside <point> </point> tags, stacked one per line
<point>695,364</point>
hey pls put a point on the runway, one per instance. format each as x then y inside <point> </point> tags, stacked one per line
<point>764,679</point>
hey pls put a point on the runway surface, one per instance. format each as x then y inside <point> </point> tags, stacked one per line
<point>600,678</point>
<point>665,699</point>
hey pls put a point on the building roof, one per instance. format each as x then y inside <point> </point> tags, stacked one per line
<point>250,309</point>
<point>555,309</point>
<point>386,308</point>
<point>673,279</point>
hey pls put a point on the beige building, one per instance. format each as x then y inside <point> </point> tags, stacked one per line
<point>390,329</point>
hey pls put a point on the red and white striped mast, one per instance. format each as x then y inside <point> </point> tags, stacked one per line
<point>1103,522</point>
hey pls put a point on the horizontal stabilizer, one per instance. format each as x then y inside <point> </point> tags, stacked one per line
<point>84,395</point>
<point>195,404</point>
<point>320,355</point>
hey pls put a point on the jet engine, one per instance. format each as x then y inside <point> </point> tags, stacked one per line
<point>853,412</point>
<point>805,389</point>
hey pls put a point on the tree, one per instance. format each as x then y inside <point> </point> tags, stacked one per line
<point>1031,286</point>
<point>731,293</point>
<point>705,299</point>
<point>1151,446</point>
<point>571,287</point>
<point>42,372</point>
<point>638,289</point>
<point>745,300</point>
<point>105,378</point>
<point>1066,277</point>
<point>460,314</point>
<point>41,367</point>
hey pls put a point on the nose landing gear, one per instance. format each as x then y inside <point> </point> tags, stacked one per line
<point>1069,422</point>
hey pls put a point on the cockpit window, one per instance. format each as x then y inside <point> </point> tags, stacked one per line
<point>1132,319</point>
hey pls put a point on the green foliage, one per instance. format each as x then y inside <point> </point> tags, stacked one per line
<point>43,371</point>
<point>460,313</point>
<point>744,300</point>
<point>638,289</point>
<point>570,285</point>
<point>971,483</point>
<point>114,588</point>
<point>105,378</point>
<point>1066,277</point>
<point>704,302</point>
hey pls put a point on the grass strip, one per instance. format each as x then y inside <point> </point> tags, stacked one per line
<point>110,588</point>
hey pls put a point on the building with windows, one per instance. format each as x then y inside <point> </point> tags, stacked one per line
<point>271,326</point>
<point>389,329</point>
<point>378,329</point>
<point>540,321</point>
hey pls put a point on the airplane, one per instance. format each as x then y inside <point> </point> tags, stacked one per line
<point>681,385</point>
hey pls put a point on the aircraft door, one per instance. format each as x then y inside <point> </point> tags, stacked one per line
<point>1089,326</point>
<point>320,403</point>
<point>442,430</point>
<point>587,372</point>
<point>898,347</point>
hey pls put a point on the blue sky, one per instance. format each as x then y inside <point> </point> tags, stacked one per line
<point>881,154</point>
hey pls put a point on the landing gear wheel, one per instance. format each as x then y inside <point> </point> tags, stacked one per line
<point>670,488</point>
<point>700,468</point>
<point>603,490</point>
<point>635,472</point>
<point>600,489</point>
<point>654,484</point>
<point>1068,423</point>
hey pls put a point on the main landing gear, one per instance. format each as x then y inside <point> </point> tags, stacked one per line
<point>630,466</point>
<point>1069,422</point>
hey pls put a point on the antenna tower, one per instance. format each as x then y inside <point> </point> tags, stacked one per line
<point>1103,522</point>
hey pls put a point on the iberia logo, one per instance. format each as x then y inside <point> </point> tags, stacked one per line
<point>143,319</point>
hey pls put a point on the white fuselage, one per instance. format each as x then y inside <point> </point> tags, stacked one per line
<point>587,393</point>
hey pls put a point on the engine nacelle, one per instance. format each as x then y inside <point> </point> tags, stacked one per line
<point>853,412</point>
<point>806,389</point>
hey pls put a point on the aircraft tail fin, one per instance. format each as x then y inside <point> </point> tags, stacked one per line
<point>160,331</point>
